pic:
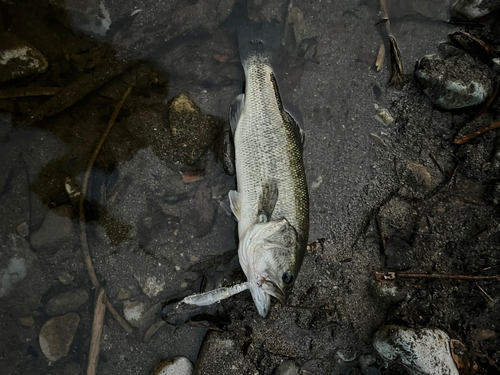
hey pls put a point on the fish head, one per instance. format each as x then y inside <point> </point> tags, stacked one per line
<point>269,255</point>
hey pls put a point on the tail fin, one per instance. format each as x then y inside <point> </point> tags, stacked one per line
<point>258,40</point>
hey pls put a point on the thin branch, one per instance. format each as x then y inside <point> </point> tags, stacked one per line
<point>468,137</point>
<point>411,275</point>
<point>26,91</point>
<point>97,325</point>
<point>117,316</point>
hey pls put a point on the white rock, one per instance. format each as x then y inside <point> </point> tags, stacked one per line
<point>151,286</point>
<point>422,352</point>
<point>176,366</point>
<point>133,312</point>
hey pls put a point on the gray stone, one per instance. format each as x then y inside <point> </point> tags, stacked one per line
<point>151,286</point>
<point>473,9</point>
<point>27,321</point>
<point>57,335</point>
<point>16,258</point>
<point>65,302</point>
<point>23,229</point>
<point>453,81</point>
<point>422,352</point>
<point>56,227</point>
<point>286,368</point>
<point>123,294</point>
<point>399,254</point>
<point>133,312</point>
<point>175,366</point>
<point>18,58</point>
<point>65,278</point>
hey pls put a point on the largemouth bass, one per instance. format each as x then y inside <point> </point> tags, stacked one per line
<point>271,202</point>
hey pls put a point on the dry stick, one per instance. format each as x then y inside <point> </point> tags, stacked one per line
<point>83,227</point>
<point>26,91</point>
<point>117,316</point>
<point>468,137</point>
<point>410,275</point>
<point>486,294</point>
<point>97,325</point>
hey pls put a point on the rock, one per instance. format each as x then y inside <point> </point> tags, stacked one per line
<point>454,80</point>
<point>286,368</point>
<point>397,217</point>
<point>384,117</point>
<point>422,352</point>
<point>16,258</point>
<point>18,58</point>
<point>151,286</point>
<point>123,294</point>
<point>133,312</point>
<point>399,255</point>
<point>473,9</point>
<point>23,229</point>
<point>65,278</point>
<point>56,227</point>
<point>57,335</point>
<point>27,321</point>
<point>65,302</point>
<point>192,131</point>
<point>175,366</point>
<point>220,350</point>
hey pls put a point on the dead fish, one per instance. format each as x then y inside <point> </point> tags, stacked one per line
<point>271,203</point>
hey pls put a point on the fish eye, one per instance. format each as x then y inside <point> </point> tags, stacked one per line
<point>287,277</point>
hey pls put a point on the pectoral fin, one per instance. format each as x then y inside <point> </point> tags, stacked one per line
<point>235,203</point>
<point>267,201</point>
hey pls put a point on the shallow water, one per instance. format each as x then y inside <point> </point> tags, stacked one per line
<point>150,231</point>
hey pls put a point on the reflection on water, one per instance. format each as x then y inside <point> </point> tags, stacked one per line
<point>153,236</point>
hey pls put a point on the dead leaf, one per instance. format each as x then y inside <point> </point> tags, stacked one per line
<point>221,58</point>
<point>192,176</point>
<point>380,57</point>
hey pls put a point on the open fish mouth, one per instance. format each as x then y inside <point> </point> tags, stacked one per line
<point>272,289</point>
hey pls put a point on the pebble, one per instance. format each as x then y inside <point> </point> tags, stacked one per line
<point>175,366</point>
<point>422,352</point>
<point>18,58</point>
<point>133,312</point>
<point>27,321</point>
<point>57,335</point>
<point>65,302</point>
<point>56,227</point>
<point>16,258</point>
<point>123,294</point>
<point>65,278</point>
<point>454,80</point>
<point>286,368</point>
<point>384,117</point>
<point>151,286</point>
<point>23,229</point>
<point>399,254</point>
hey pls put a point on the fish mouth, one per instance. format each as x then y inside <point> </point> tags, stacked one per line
<point>262,300</point>
<point>271,288</point>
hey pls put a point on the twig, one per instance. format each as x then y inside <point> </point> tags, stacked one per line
<point>83,228</point>
<point>381,231</point>
<point>410,275</point>
<point>468,137</point>
<point>117,316</point>
<point>26,91</point>
<point>486,294</point>
<point>97,325</point>
<point>437,164</point>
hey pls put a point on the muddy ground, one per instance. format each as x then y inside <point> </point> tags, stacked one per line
<point>396,197</point>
